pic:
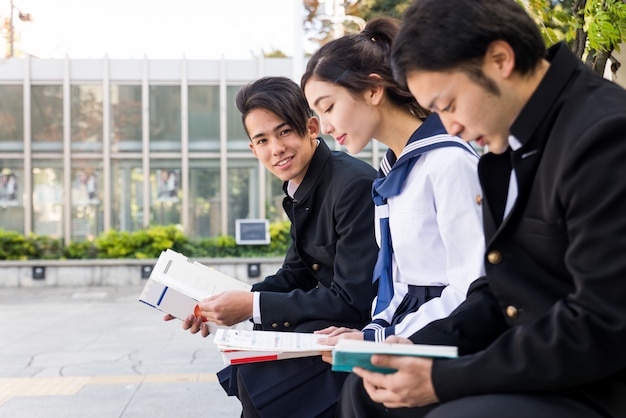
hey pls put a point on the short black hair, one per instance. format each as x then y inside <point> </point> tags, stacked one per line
<point>279,95</point>
<point>438,35</point>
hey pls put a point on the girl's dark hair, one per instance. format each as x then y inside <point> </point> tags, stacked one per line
<point>279,95</point>
<point>350,60</point>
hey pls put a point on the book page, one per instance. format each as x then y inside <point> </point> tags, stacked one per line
<point>176,285</point>
<point>193,278</point>
<point>227,339</point>
<point>373,347</point>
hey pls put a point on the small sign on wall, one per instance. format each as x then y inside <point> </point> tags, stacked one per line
<point>252,231</point>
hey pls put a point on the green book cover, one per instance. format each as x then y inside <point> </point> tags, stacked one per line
<point>352,353</point>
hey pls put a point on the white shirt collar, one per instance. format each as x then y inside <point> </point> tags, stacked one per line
<point>514,143</point>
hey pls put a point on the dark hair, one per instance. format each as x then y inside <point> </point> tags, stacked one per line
<point>279,95</point>
<point>440,35</point>
<point>349,61</point>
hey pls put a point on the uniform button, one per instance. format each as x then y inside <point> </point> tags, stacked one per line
<point>479,199</point>
<point>287,324</point>
<point>315,267</point>
<point>274,325</point>
<point>494,257</point>
<point>511,312</point>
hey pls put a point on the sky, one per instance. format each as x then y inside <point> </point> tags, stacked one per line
<point>197,29</point>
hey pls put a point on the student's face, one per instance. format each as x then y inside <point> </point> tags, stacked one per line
<point>350,120</point>
<point>466,108</point>
<point>281,150</point>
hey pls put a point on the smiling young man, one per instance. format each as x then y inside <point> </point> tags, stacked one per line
<point>543,334</point>
<point>326,278</point>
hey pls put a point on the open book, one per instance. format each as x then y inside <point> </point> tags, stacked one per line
<point>240,346</point>
<point>354,353</point>
<point>177,283</point>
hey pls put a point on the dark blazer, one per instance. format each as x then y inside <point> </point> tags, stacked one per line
<point>326,278</point>
<point>550,316</point>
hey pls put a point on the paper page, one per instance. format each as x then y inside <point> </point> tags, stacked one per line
<point>372,347</point>
<point>193,278</point>
<point>177,283</point>
<point>268,341</point>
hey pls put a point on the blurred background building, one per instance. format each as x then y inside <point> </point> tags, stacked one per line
<point>87,145</point>
<point>112,139</point>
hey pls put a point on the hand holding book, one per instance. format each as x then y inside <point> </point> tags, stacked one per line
<point>226,308</point>
<point>177,285</point>
<point>348,354</point>
<point>252,346</point>
<point>331,335</point>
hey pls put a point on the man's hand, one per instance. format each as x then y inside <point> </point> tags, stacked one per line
<point>227,308</point>
<point>192,323</point>
<point>410,386</point>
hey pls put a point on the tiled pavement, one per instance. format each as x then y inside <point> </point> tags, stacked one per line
<point>99,352</point>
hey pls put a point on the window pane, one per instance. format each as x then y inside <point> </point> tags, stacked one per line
<point>125,118</point>
<point>242,191</point>
<point>87,216</point>
<point>204,199</point>
<point>48,198</point>
<point>47,118</point>
<point>166,194</point>
<point>86,118</point>
<point>237,137</point>
<point>11,196</point>
<point>127,205</point>
<point>165,124</point>
<point>11,118</point>
<point>204,118</point>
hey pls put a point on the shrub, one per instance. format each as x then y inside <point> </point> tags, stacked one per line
<point>147,243</point>
<point>115,244</point>
<point>14,246</point>
<point>80,250</point>
<point>46,248</point>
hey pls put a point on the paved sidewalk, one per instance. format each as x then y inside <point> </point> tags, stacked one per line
<point>99,352</point>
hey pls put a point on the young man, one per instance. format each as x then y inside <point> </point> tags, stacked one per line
<point>543,334</point>
<point>326,278</point>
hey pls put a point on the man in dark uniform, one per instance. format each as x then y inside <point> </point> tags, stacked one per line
<point>326,278</point>
<point>543,334</point>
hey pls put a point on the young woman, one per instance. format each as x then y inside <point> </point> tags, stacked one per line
<point>427,195</point>
<point>431,242</point>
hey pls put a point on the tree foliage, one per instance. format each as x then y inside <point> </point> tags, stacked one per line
<point>593,29</point>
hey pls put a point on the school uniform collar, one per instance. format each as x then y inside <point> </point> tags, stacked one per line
<point>314,171</point>
<point>431,127</point>
<point>563,64</point>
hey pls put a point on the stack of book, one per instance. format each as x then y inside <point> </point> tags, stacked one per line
<point>242,346</point>
<point>239,347</point>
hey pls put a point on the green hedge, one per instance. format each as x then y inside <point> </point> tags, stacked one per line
<point>139,244</point>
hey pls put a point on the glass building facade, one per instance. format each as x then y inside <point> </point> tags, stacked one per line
<point>92,145</point>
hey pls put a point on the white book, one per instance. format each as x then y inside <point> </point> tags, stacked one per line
<point>241,346</point>
<point>177,284</point>
<point>270,341</point>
